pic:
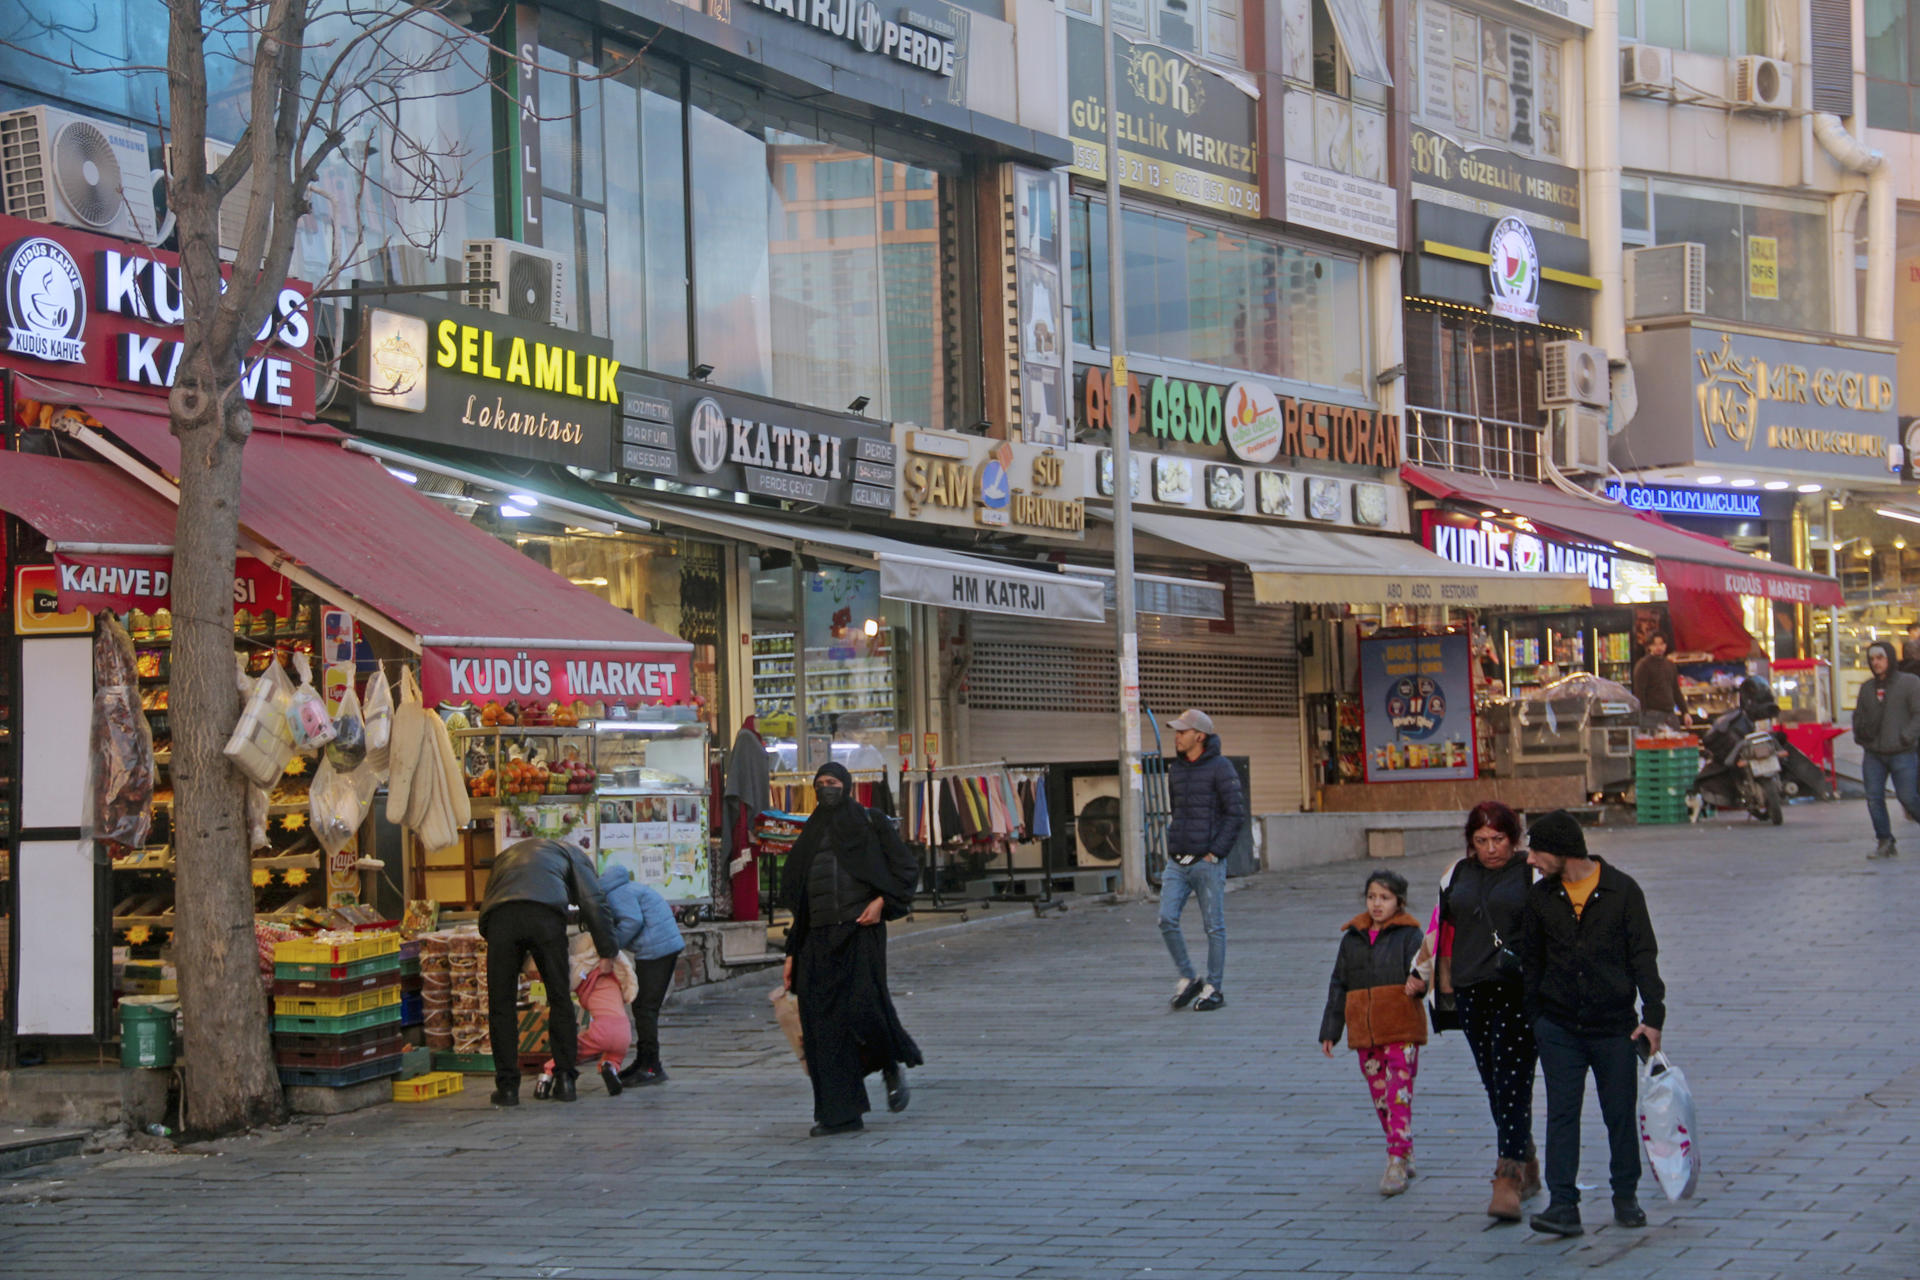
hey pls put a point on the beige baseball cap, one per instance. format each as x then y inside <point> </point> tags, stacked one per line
<point>1193,718</point>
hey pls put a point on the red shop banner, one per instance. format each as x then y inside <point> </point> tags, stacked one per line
<point>124,583</point>
<point>631,678</point>
<point>77,307</point>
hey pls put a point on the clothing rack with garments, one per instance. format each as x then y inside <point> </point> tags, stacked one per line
<point>792,800</point>
<point>979,808</point>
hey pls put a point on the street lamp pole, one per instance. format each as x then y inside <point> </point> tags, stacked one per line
<point>1133,862</point>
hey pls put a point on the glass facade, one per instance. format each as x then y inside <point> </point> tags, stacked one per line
<point>831,633</point>
<point>1723,27</point>
<point>1214,294</point>
<point>820,269</point>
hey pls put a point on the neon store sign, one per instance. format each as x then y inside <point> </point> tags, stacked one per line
<point>1486,545</point>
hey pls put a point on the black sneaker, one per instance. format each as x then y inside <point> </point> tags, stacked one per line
<point>1211,998</point>
<point>1628,1213</point>
<point>829,1130</point>
<point>898,1094</point>
<point>1184,993</point>
<point>506,1097</point>
<point>641,1074</point>
<point>1559,1220</point>
<point>611,1079</point>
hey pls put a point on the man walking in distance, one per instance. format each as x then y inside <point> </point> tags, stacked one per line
<point>1586,948</point>
<point>525,913</point>
<point>1209,815</point>
<point>1886,724</point>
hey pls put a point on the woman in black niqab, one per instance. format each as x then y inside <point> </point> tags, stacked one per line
<point>841,886</point>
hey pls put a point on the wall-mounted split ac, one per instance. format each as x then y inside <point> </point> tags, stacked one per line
<point>1580,439</point>
<point>1645,68</point>
<point>1763,84</point>
<point>533,282</point>
<point>94,175</point>
<point>1573,373</point>
<point>1667,280</point>
<point>233,209</point>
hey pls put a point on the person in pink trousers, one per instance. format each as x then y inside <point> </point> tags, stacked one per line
<point>605,996</point>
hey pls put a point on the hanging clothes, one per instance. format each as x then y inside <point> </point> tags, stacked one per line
<point>747,793</point>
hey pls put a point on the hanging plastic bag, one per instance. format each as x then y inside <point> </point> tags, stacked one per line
<point>121,791</point>
<point>348,750</point>
<point>378,706</point>
<point>338,803</point>
<point>258,801</point>
<point>1667,1127</point>
<point>262,742</point>
<point>307,716</point>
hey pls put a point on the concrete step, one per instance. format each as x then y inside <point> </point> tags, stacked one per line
<point>20,1151</point>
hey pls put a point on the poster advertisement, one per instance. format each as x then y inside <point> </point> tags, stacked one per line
<point>662,840</point>
<point>1044,372</point>
<point>1416,695</point>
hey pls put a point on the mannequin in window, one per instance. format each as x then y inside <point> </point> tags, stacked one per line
<point>746,795</point>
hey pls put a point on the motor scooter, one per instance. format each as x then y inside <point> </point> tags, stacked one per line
<point>1741,757</point>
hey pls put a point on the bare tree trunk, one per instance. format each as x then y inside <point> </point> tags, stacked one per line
<point>230,1077</point>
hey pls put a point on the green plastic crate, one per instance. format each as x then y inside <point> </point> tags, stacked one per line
<point>302,1024</point>
<point>470,1063</point>
<point>337,972</point>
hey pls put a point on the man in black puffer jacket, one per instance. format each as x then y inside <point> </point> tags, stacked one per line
<point>1587,949</point>
<point>525,913</point>
<point>1209,816</point>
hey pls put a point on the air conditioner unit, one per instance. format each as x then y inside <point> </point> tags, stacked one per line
<point>1667,280</point>
<point>233,210</point>
<point>533,282</point>
<point>1580,439</point>
<point>1573,373</point>
<point>1645,68</point>
<point>1764,84</point>
<point>77,171</point>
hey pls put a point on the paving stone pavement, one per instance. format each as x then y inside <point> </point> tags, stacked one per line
<point>1067,1125</point>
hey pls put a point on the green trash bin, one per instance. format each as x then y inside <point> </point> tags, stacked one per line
<point>146,1033</point>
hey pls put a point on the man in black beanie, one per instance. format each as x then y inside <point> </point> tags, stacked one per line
<point>1587,947</point>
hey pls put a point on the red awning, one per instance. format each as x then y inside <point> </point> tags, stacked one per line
<point>491,623</point>
<point>1684,559</point>
<point>85,507</point>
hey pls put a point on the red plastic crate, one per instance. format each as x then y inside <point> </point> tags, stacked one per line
<point>317,989</point>
<point>334,1060</point>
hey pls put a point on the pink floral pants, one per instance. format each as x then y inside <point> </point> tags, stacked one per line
<point>1390,1070</point>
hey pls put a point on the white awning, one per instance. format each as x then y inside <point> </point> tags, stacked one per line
<point>1323,566</point>
<point>908,571</point>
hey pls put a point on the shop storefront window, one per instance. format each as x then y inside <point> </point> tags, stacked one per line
<point>836,639</point>
<point>676,584</point>
<point>1767,254</point>
<point>1472,393</point>
<point>1217,295</point>
<point>819,267</point>
<point>1487,80</point>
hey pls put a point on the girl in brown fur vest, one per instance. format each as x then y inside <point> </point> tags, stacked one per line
<point>1375,996</point>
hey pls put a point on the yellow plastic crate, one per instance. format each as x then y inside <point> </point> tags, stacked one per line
<point>314,951</point>
<point>434,1084</point>
<point>335,1006</point>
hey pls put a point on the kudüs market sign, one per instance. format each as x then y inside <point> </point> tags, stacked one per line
<point>455,375</point>
<point>1486,545</point>
<point>631,678</point>
<point>697,435</point>
<point>126,333</point>
<point>911,37</point>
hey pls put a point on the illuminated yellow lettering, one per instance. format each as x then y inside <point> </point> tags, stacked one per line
<point>488,369</point>
<point>447,353</point>
<point>469,349</point>
<point>517,362</point>
<point>548,367</point>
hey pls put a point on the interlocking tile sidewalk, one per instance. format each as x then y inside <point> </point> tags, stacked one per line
<point>1067,1125</point>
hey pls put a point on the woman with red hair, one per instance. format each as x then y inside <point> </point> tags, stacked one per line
<point>1476,937</point>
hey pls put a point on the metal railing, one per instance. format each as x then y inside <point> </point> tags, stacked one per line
<point>1482,446</point>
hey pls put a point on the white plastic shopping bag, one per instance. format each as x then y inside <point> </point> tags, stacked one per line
<point>1667,1132</point>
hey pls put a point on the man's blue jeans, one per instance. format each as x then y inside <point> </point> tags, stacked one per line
<point>1206,881</point>
<point>1904,769</point>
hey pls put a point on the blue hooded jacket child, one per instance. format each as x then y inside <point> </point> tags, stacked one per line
<point>643,923</point>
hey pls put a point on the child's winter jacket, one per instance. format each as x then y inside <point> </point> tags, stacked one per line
<point>1368,996</point>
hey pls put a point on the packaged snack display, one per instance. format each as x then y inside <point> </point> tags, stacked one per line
<point>262,742</point>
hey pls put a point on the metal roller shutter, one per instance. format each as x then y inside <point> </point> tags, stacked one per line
<point>1047,695</point>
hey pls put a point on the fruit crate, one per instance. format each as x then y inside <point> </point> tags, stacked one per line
<point>314,951</point>
<point>337,972</point>
<point>317,989</point>
<point>435,1084</point>
<point>294,1077</point>
<point>314,1025</point>
<point>336,1006</point>
<point>312,1059</point>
